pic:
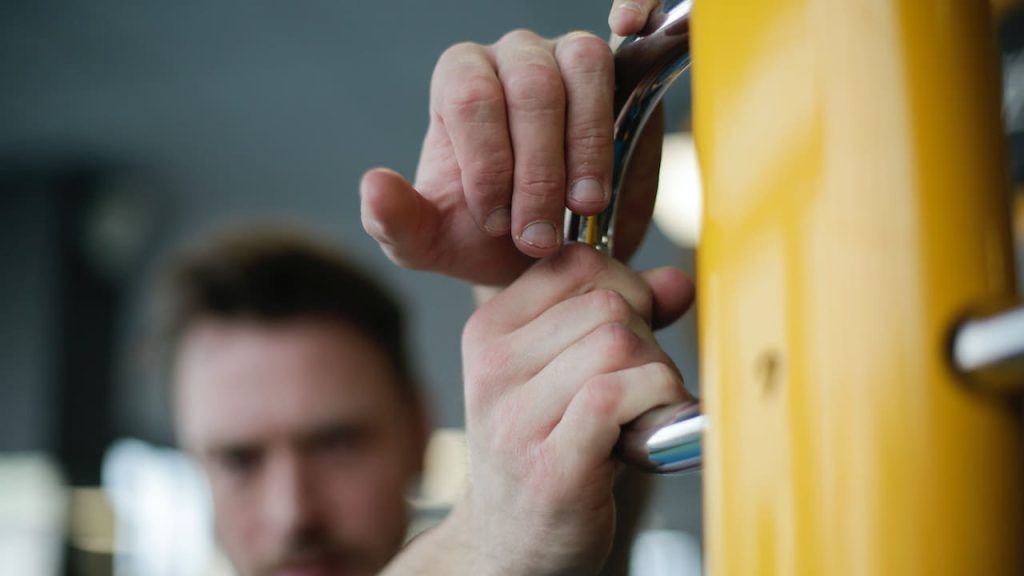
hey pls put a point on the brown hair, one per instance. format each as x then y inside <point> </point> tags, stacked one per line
<point>272,275</point>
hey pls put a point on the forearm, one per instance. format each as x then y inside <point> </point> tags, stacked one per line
<point>440,550</point>
<point>456,546</point>
<point>472,543</point>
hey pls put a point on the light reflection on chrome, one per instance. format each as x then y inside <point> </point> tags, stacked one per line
<point>666,439</point>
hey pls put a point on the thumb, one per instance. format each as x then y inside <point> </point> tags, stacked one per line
<point>398,218</point>
<point>672,292</point>
<point>629,16</point>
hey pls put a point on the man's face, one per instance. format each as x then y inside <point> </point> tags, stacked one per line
<point>306,439</point>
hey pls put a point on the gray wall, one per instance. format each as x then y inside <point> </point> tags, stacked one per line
<point>27,286</point>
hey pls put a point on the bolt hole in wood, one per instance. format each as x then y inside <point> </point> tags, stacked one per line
<point>768,370</point>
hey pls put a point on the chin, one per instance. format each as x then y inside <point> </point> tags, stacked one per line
<point>332,567</point>
<point>317,570</point>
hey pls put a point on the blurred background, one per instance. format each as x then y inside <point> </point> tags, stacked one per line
<point>128,128</point>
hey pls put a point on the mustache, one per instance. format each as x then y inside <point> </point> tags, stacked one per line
<point>315,547</point>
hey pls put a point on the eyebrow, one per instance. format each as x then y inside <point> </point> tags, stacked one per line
<point>336,428</point>
<point>356,429</point>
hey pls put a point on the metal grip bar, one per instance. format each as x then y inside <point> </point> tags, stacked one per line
<point>645,67</point>
<point>989,350</point>
<point>665,439</point>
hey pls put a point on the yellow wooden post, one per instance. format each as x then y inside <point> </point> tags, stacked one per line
<point>855,208</point>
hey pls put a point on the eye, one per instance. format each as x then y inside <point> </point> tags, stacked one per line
<point>239,463</point>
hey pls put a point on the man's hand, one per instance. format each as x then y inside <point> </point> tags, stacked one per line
<point>554,366</point>
<point>519,130</point>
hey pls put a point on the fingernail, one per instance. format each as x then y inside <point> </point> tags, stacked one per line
<point>540,235</point>
<point>499,220</point>
<point>630,10</point>
<point>587,191</point>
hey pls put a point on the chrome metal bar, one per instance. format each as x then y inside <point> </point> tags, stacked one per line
<point>645,67</point>
<point>989,350</point>
<point>666,439</point>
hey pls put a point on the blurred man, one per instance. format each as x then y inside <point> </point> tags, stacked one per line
<point>294,392</point>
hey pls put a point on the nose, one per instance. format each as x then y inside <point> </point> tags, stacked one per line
<point>290,498</point>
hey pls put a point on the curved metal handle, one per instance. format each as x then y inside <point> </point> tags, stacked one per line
<point>645,67</point>
<point>665,439</point>
<point>988,351</point>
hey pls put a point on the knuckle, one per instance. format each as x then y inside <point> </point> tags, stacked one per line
<point>491,182</point>
<point>640,297</point>
<point>664,379</point>
<point>603,395</point>
<point>535,86</point>
<point>589,141</point>
<point>585,52</point>
<point>617,344</point>
<point>610,305</point>
<point>519,36</point>
<point>474,96</point>
<point>590,133</point>
<point>457,52</point>
<point>493,176</point>
<point>539,184</point>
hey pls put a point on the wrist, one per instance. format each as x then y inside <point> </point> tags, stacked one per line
<point>444,549</point>
<point>488,542</point>
<point>504,541</point>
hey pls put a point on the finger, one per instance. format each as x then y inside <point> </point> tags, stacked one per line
<point>629,16</point>
<point>569,322</point>
<point>608,349</point>
<point>535,99</point>
<point>468,99</point>
<point>587,72</point>
<point>576,269</point>
<point>672,294</point>
<point>586,435</point>
<point>398,218</point>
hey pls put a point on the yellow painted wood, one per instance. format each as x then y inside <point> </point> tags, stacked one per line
<point>854,208</point>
